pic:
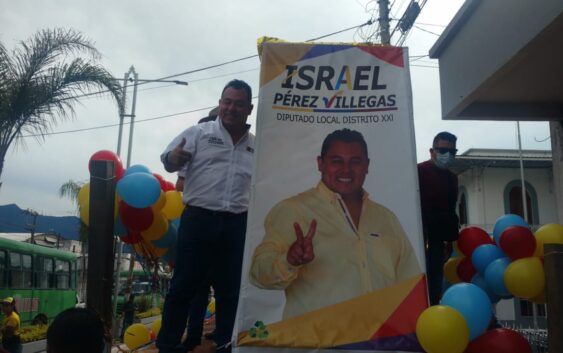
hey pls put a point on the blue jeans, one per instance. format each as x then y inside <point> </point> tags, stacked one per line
<point>209,243</point>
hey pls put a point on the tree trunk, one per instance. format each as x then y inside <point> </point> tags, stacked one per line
<point>3,150</point>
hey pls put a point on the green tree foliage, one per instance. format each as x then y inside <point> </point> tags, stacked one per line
<point>70,190</point>
<point>40,81</point>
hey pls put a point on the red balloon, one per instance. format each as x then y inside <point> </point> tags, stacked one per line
<point>517,242</point>
<point>135,219</point>
<point>160,180</point>
<point>106,155</point>
<point>465,270</point>
<point>499,340</point>
<point>170,186</point>
<point>131,238</point>
<point>472,237</point>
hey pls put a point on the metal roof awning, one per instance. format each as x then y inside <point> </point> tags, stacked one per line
<point>501,158</point>
<point>502,60</point>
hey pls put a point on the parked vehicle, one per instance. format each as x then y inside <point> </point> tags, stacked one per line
<point>42,280</point>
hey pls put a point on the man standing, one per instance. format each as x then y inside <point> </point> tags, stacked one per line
<point>217,156</point>
<point>332,243</point>
<point>438,197</point>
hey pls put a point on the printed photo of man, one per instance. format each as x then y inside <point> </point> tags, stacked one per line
<point>332,243</point>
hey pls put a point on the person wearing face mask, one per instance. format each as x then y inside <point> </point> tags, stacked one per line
<point>438,197</point>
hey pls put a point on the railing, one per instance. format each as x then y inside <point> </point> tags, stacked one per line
<point>536,338</point>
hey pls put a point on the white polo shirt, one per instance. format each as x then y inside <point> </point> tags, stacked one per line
<point>218,175</point>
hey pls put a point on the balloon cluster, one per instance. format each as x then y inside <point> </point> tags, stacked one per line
<point>139,335</point>
<point>147,209</point>
<point>484,270</point>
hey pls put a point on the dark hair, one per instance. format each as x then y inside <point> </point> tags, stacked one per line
<point>239,84</point>
<point>76,330</point>
<point>344,135</point>
<point>446,136</point>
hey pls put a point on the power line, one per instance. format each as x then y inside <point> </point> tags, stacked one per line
<point>369,22</point>
<point>416,57</point>
<point>425,30</point>
<point>431,24</point>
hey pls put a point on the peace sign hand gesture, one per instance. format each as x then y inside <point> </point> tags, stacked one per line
<point>301,251</point>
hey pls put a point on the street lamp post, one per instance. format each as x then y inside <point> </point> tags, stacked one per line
<point>126,79</point>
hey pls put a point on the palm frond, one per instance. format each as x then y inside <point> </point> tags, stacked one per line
<point>70,189</point>
<point>46,46</point>
<point>40,83</point>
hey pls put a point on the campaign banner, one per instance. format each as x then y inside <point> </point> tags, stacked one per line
<point>334,255</point>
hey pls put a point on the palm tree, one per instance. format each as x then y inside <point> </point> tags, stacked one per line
<point>70,189</point>
<point>42,79</point>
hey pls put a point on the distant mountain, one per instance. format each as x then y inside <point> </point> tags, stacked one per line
<point>14,220</point>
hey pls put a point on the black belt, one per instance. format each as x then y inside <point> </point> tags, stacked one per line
<point>205,211</point>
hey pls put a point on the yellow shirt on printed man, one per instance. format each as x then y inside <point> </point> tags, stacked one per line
<point>348,262</point>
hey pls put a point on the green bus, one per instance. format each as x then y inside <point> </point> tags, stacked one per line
<point>42,280</point>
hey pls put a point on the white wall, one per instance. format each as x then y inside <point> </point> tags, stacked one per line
<point>485,193</point>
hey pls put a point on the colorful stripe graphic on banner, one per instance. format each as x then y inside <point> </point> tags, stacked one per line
<point>354,324</point>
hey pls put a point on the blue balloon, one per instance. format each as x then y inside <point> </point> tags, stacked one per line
<point>137,168</point>
<point>483,255</point>
<point>480,282</point>
<point>494,276</point>
<point>175,222</point>
<point>170,255</point>
<point>503,222</point>
<point>473,304</point>
<point>128,249</point>
<point>168,239</point>
<point>139,190</point>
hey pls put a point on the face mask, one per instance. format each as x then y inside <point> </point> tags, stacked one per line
<point>444,159</point>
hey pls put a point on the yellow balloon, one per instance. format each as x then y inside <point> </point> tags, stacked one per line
<point>83,196</point>
<point>85,214</point>
<point>174,206</point>
<point>211,306</point>
<point>159,204</point>
<point>157,229</point>
<point>450,270</point>
<point>456,249</point>
<point>548,234</point>
<point>525,278</point>
<point>136,336</point>
<point>155,326</point>
<point>442,329</point>
<point>116,206</point>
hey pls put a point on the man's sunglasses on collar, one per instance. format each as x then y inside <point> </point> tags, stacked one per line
<point>442,150</point>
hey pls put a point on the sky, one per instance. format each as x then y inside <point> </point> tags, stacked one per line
<point>164,38</point>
